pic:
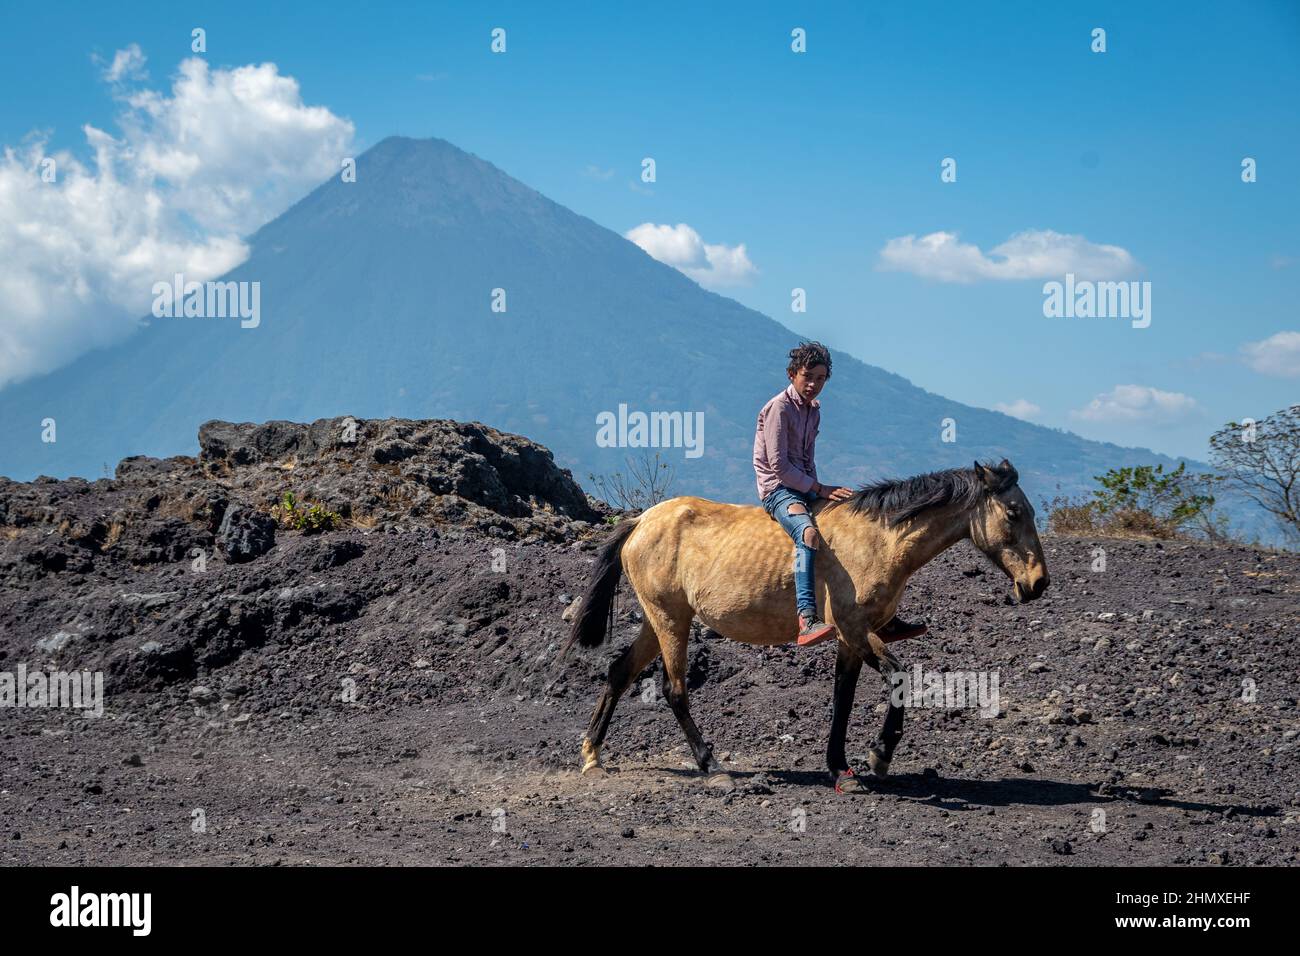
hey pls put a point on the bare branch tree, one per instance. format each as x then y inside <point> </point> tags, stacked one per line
<point>1262,460</point>
<point>645,485</point>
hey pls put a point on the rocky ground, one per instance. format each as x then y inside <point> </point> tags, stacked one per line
<point>393,692</point>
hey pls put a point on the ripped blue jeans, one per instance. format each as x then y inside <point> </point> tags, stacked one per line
<point>777,505</point>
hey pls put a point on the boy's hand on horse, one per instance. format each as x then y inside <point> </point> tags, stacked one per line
<point>833,492</point>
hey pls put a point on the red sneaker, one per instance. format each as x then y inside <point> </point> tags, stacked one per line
<point>813,630</point>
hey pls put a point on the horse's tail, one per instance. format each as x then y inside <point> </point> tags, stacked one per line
<point>593,622</point>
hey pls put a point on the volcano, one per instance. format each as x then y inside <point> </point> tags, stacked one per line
<point>438,286</point>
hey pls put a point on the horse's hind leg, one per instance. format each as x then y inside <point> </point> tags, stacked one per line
<point>673,637</point>
<point>622,672</point>
<point>879,756</point>
<point>891,733</point>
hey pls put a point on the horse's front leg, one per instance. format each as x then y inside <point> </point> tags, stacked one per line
<point>848,665</point>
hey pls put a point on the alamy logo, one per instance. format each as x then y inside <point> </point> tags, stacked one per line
<point>77,690</point>
<point>655,430</point>
<point>946,689</point>
<point>179,299</point>
<point>1086,299</point>
<point>103,909</point>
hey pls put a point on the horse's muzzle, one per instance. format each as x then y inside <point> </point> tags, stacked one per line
<point>1032,592</point>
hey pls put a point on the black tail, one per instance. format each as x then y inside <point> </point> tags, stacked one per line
<point>592,624</point>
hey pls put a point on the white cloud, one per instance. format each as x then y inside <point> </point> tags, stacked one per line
<point>127,64</point>
<point>595,172</point>
<point>681,247</point>
<point>1020,408</point>
<point>1279,355</point>
<point>1033,254</point>
<point>189,175</point>
<point>1127,404</point>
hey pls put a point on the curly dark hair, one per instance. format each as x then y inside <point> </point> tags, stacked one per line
<point>807,355</point>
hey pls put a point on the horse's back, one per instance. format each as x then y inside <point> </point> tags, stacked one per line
<point>684,543</point>
<point>690,506</point>
<point>689,519</point>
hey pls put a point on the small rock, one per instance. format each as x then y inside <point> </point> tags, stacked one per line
<point>55,642</point>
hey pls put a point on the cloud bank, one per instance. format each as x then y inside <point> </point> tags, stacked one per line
<point>1277,355</point>
<point>680,246</point>
<point>1034,254</point>
<point>1138,404</point>
<point>189,174</point>
<point>1020,408</point>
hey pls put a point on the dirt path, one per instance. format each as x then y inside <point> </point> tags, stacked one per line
<point>1120,692</point>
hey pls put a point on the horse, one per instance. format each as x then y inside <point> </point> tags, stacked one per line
<point>730,566</point>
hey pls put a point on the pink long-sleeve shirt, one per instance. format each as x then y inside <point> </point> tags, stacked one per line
<point>784,440</point>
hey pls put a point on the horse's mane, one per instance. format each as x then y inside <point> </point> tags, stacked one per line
<point>898,499</point>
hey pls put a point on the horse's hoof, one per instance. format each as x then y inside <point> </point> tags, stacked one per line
<point>591,759</point>
<point>857,781</point>
<point>878,765</point>
<point>846,781</point>
<point>720,780</point>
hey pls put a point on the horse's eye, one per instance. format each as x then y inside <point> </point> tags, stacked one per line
<point>1012,514</point>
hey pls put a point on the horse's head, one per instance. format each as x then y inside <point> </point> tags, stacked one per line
<point>1002,526</point>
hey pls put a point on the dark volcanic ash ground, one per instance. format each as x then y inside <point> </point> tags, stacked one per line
<point>393,693</point>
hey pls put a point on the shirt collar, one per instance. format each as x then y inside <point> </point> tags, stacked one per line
<point>799,399</point>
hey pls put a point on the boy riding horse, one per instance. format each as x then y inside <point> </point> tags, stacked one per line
<point>788,485</point>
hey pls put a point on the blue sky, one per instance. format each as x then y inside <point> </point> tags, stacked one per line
<point>815,161</point>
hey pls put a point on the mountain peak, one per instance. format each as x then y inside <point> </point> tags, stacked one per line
<point>407,182</point>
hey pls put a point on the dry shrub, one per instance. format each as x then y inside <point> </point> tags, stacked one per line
<point>1072,516</point>
<point>1067,516</point>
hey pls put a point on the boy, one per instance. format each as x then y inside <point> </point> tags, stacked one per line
<point>788,485</point>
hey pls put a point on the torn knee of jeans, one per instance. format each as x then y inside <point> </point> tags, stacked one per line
<point>810,537</point>
<point>796,509</point>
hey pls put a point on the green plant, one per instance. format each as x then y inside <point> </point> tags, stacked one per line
<point>1144,497</point>
<point>1143,501</point>
<point>309,519</point>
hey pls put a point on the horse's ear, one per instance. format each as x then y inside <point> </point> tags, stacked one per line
<point>1009,474</point>
<point>986,475</point>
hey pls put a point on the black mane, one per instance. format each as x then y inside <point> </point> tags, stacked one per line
<point>897,500</point>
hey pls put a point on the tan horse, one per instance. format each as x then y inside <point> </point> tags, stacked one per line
<point>731,566</point>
